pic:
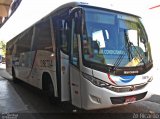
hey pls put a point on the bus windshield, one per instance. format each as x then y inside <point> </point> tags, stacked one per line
<point>115,39</point>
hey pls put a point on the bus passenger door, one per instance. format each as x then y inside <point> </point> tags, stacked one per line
<point>75,69</point>
<point>65,88</point>
<point>63,35</point>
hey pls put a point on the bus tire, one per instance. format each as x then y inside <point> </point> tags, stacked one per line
<point>15,80</point>
<point>49,89</point>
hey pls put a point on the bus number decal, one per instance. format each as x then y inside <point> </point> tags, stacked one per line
<point>46,63</point>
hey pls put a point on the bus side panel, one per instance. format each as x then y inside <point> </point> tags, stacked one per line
<point>9,64</point>
<point>23,66</point>
<point>44,62</point>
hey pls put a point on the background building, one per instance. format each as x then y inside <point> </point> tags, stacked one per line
<point>7,8</point>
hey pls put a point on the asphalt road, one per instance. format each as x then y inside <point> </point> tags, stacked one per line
<point>22,101</point>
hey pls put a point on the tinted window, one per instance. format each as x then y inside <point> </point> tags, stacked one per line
<point>65,36</point>
<point>24,42</point>
<point>43,40</point>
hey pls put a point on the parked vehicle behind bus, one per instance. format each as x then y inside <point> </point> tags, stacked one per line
<point>1,59</point>
<point>93,57</point>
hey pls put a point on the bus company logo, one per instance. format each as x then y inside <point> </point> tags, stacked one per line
<point>131,72</point>
<point>127,79</point>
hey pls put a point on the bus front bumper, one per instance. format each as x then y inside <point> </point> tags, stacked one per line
<point>94,97</point>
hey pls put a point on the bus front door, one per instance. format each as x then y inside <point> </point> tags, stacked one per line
<point>75,69</point>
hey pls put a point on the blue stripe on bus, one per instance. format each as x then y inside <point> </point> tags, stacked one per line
<point>127,79</point>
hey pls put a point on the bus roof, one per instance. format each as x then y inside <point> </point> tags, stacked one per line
<point>103,6</point>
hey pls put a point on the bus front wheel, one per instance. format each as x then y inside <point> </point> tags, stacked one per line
<point>49,89</point>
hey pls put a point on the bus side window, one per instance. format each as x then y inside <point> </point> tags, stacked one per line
<point>74,52</point>
<point>43,40</point>
<point>65,35</point>
<point>74,46</point>
<point>24,42</point>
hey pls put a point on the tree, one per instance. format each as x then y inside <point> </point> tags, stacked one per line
<point>2,48</point>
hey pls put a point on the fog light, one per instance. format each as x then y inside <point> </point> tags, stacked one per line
<point>95,98</point>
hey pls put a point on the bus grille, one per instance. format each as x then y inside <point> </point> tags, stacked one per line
<point>121,100</point>
<point>127,88</point>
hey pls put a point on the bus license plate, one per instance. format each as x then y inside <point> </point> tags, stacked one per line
<point>130,99</point>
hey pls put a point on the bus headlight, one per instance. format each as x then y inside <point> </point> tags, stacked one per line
<point>95,81</point>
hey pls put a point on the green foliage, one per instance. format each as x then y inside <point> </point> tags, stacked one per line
<point>3,48</point>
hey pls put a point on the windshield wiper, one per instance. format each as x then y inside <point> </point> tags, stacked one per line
<point>129,45</point>
<point>120,58</point>
<point>127,49</point>
<point>141,58</point>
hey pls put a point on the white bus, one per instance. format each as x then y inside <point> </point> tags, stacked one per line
<point>91,56</point>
